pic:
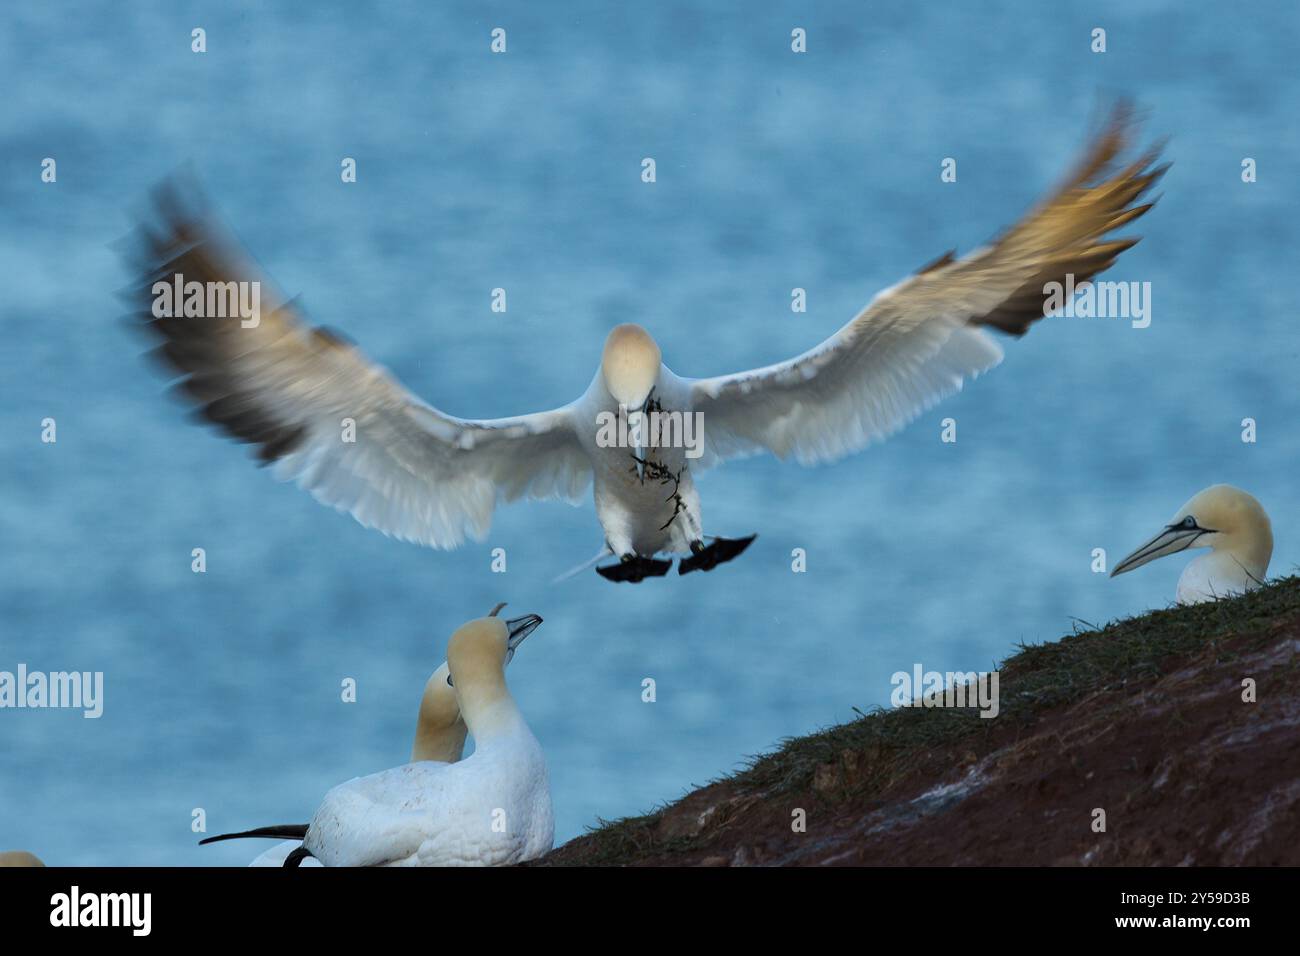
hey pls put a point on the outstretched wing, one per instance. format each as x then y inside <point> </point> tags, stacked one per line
<point>285,386</point>
<point>918,341</point>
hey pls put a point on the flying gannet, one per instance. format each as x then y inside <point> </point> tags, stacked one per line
<point>1236,529</point>
<point>440,733</point>
<point>493,808</point>
<point>422,475</point>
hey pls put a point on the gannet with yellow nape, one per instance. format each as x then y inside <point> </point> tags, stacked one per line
<point>440,733</point>
<point>1236,529</point>
<point>422,475</point>
<point>440,736</point>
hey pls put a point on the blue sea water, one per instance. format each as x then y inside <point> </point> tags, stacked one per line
<point>522,171</point>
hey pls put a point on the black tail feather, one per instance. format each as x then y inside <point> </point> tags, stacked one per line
<point>281,831</point>
<point>296,857</point>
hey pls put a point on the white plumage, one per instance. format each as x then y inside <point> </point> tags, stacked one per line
<point>422,475</point>
<point>491,809</point>
<point>1233,525</point>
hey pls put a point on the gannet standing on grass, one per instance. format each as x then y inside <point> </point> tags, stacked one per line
<point>491,809</point>
<point>422,475</point>
<point>1236,529</point>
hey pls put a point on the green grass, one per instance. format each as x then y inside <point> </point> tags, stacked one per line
<point>885,745</point>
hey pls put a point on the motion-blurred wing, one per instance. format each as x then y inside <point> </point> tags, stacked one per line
<point>287,387</point>
<point>917,342</point>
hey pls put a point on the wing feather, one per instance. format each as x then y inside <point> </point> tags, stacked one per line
<point>286,387</point>
<point>918,341</point>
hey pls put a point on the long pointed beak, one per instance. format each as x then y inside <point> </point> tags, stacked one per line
<point>519,628</point>
<point>1169,541</point>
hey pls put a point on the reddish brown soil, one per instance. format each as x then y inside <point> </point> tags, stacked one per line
<point>1186,772</point>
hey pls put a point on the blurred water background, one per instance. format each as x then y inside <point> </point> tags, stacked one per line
<point>522,171</point>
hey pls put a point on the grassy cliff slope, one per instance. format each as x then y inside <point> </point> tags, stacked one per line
<point>1143,719</point>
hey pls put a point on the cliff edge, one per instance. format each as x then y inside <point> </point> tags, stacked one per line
<point>1148,719</point>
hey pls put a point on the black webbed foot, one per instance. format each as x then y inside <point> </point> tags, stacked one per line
<point>634,568</point>
<point>707,558</point>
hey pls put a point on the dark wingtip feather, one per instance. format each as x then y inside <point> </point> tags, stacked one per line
<point>281,831</point>
<point>946,259</point>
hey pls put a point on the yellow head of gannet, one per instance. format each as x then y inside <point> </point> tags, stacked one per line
<point>630,365</point>
<point>476,659</point>
<point>19,858</point>
<point>1236,529</point>
<point>438,814</point>
<point>440,729</point>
